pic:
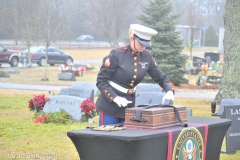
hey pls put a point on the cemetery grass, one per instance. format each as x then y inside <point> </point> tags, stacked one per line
<point>20,136</point>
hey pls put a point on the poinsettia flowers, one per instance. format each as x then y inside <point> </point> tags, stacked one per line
<point>87,106</point>
<point>88,109</point>
<point>41,118</point>
<point>37,102</point>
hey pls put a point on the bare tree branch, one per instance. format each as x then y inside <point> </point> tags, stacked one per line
<point>111,17</point>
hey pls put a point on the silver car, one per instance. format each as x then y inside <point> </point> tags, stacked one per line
<point>38,55</point>
<point>85,38</point>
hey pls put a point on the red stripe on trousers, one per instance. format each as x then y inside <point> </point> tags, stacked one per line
<point>169,156</point>
<point>205,140</point>
<point>102,118</point>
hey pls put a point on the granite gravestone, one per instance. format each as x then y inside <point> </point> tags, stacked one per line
<point>4,74</point>
<point>226,102</point>
<point>148,98</point>
<point>198,61</point>
<point>67,76</point>
<point>189,111</point>
<point>78,92</point>
<point>148,87</point>
<point>233,133</point>
<point>12,70</point>
<point>87,85</point>
<point>214,56</point>
<point>70,71</point>
<point>70,104</point>
<point>152,98</point>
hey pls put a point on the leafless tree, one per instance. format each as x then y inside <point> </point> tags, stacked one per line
<point>211,11</point>
<point>28,13</point>
<point>2,25</point>
<point>111,17</point>
<point>10,16</point>
<point>75,14</point>
<point>51,24</point>
<point>193,20</point>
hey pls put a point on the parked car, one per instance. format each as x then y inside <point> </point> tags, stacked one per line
<point>38,55</point>
<point>9,56</point>
<point>85,38</point>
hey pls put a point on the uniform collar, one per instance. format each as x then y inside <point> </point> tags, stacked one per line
<point>131,51</point>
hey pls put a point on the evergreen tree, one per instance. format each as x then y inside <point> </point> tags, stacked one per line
<point>166,45</point>
<point>211,38</point>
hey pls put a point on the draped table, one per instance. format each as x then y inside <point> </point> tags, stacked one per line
<point>141,144</point>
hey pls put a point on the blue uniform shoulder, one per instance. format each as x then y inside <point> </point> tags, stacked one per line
<point>147,52</point>
<point>120,49</point>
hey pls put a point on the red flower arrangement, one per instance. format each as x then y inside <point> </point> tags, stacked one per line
<point>37,102</point>
<point>41,118</point>
<point>88,109</point>
<point>54,117</point>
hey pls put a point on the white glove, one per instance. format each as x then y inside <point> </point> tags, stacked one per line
<point>121,102</point>
<point>169,95</point>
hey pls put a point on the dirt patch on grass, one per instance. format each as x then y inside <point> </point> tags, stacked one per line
<point>12,92</point>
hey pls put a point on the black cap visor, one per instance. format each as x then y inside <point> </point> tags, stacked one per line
<point>144,42</point>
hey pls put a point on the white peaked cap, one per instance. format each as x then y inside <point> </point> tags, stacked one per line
<point>143,34</point>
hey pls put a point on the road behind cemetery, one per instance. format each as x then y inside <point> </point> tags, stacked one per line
<point>184,94</point>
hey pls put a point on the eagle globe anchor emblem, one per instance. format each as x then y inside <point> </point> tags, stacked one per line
<point>189,152</point>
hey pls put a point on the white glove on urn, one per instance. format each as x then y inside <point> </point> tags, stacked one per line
<point>121,102</point>
<point>169,95</point>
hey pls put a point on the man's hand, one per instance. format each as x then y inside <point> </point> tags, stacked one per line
<point>121,102</point>
<point>169,96</point>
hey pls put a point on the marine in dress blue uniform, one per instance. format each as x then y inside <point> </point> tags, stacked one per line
<point>122,70</point>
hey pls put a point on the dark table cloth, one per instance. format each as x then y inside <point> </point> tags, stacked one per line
<point>137,144</point>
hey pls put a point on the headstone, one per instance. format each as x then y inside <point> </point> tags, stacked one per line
<point>12,70</point>
<point>226,102</point>
<point>4,74</point>
<point>208,60</point>
<point>66,76</point>
<point>88,85</point>
<point>148,98</point>
<point>214,56</point>
<point>70,104</point>
<point>70,71</point>
<point>78,92</point>
<point>189,111</point>
<point>148,87</point>
<point>233,133</point>
<point>198,61</point>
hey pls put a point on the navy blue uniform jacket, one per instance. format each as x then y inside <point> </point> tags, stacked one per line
<point>127,69</point>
